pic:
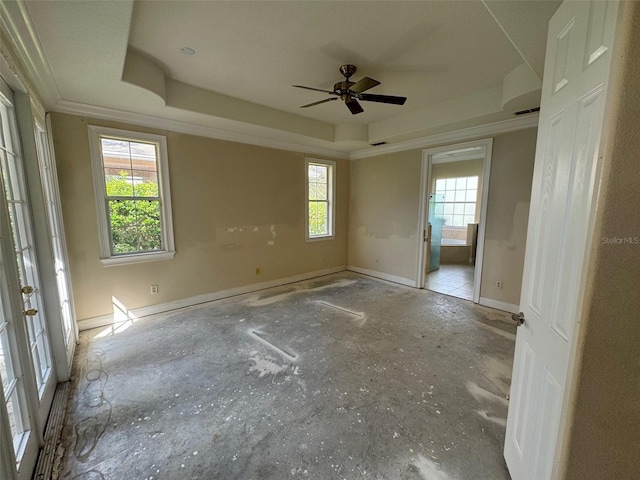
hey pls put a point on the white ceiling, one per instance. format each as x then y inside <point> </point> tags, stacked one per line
<point>460,63</point>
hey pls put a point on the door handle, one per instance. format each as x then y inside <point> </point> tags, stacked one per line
<point>31,312</point>
<point>518,318</point>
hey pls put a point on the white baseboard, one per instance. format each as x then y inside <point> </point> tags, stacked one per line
<point>499,305</point>
<point>383,276</point>
<point>135,313</point>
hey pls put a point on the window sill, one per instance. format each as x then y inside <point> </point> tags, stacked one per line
<point>319,239</point>
<point>136,258</point>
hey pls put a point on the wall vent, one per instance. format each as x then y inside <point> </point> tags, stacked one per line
<point>378,144</point>
<point>530,110</point>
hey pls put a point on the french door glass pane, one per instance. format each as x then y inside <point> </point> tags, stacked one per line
<point>12,386</point>
<point>19,215</point>
<point>49,188</point>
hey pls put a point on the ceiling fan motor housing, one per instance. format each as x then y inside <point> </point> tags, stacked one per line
<point>342,89</point>
<point>348,70</point>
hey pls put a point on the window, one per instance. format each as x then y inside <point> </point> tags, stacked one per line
<point>131,182</point>
<point>456,200</point>
<point>320,199</point>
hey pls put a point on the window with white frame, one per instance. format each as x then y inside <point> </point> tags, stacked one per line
<point>320,199</point>
<point>130,173</point>
<point>457,198</point>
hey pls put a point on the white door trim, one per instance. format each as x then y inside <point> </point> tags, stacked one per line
<point>423,209</point>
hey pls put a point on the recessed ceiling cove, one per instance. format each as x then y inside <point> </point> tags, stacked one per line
<point>458,63</point>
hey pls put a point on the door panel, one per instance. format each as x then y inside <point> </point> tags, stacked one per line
<point>51,198</point>
<point>28,378</point>
<point>564,183</point>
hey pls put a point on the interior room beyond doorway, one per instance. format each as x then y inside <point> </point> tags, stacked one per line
<point>454,213</point>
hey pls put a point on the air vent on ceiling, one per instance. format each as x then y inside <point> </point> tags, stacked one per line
<point>530,110</point>
<point>378,144</point>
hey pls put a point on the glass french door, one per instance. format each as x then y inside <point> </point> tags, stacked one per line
<point>51,197</point>
<point>26,363</point>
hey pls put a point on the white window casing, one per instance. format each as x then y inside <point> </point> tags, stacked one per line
<point>107,255</point>
<point>328,232</point>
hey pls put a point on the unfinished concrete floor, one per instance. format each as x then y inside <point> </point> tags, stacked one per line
<point>340,377</point>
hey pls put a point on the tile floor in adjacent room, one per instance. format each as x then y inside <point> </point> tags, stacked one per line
<point>455,280</point>
<point>339,377</point>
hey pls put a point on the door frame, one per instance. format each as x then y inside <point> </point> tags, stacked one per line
<point>27,113</point>
<point>423,211</point>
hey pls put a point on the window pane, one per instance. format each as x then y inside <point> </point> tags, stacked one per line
<point>448,219</point>
<point>460,196</point>
<point>18,224</point>
<point>321,191</point>
<point>458,208</point>
<point>135,225</point>
<point>321,172</point>
<point>6,371</point>
<point>440,183</point>
<point>318,219</point>
<point>471,195</point>
<point>469,219</point>
<point>13,418</point>
<point>313,191</point>
<point>448,208</point>
<point>145,183</point>
<point>439,208</point>
<point>143,155</point>
<point>472,182</point>
<point>450,196</point>
<point>450,184</point>
<point>458,221</point>
<point>470,208</point>
<point>120,185</point>
<point>461,183</point>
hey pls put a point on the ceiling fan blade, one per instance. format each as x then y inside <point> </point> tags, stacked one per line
<point>354,106</point>
<point>315,89</point>
<point>318,103</point>
<point>368,97</point>
<point>365,84</point>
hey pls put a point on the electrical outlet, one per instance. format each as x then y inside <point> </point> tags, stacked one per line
<point>499,284</point>
<point>257,271</point>
<point>154,289</point>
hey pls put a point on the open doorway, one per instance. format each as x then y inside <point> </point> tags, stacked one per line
<point>453,209</point>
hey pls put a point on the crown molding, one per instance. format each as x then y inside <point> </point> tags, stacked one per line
<point>16,22</point>
<point>131,118</point>
<point>454,136</point>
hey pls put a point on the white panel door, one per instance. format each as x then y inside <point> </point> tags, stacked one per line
<point>577,66</point>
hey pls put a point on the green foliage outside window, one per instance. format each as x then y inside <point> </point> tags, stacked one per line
<point>135,223</point>
<point>318,219</point>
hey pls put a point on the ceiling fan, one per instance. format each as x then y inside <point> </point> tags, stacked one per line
<point>350,92</point>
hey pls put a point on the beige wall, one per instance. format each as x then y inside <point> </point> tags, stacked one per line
<point>221,193</point>
<point>384,209</point>
<point>603,433</point>
<point>383,213</point>
<point>508,214</point>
